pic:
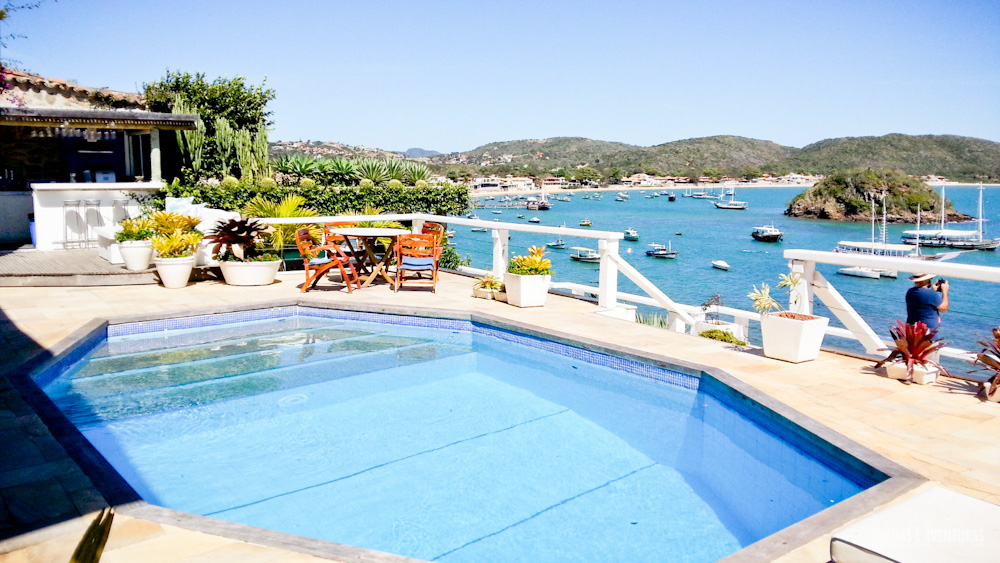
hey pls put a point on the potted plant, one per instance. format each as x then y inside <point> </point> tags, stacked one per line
<point>788,336</point>
<point>487,287</point>
<point>990,357</point>
<point>236,245</point>
<point>712,322</point>
<point>175,243</point>
<point>134,243</point>
<point>527,278</point>
<point>912,358</point>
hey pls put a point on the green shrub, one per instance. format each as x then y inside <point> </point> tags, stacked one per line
<point>395,184</point>
<point>422,184</point>
<point>450,259</point>
<point>723,336</point>
<point>229,183</point>
<point>307,184</point>
<point>366,183</point>
<point>267,183</point>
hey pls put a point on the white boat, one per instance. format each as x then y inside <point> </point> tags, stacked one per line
<point>534,220</point>
<point>497,212</point>
<point>631,234</point>
<point>720,265</point>
<point>661,251</point>
<point>767,233</point>
<point>860,272</point>
<point>585,254</point>
<point>620,198</point>
<point>558,243</point>
<point>479,229</point>
<point>732,203</point>
<point>944,237</point>
<point>473,216</point>
<point>586,223</point>
<point>450,233</point>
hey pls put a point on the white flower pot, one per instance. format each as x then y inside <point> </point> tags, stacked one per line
<point>526,291</point>
<point>137,254</point>
<point>500,296</point>
<point>174,272</point>
<point>790,339</point>
<point>483,293</point>
<point>249,273</point>
<point>732,328</point>
<point>921,374</point>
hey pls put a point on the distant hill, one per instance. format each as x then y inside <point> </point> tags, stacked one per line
<point>956,158</point>
<point>944,155</point>
<point>419,153</point>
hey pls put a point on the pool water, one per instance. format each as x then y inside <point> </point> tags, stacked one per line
<point>441,440</point>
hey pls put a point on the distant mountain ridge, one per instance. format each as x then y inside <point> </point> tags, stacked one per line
<point>419,153</point>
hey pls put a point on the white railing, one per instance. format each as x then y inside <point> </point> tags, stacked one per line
<point>682,316</point>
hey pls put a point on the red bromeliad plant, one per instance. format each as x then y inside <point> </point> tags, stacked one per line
<point>990,357</point>
<point>915,344</point>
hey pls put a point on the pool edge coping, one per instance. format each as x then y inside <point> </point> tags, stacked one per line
<point>121,495</point>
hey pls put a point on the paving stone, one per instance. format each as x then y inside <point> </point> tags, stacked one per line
<point>73,479</point>
<point>87,500</point>
<point>18,451</point>
<point>37,502</point>
<point>50,449</point>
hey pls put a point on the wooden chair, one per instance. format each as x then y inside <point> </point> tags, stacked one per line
<point>416,254</point>
<point>436,229</point>
<point>315,265</point>
<point>331,238</point>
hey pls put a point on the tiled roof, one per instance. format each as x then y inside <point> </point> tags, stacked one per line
<point>27,78</point>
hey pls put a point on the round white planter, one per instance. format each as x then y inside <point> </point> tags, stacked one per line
<point>249,273</point>
<point>792,340</point>
<point>137,254</point>
<point>526,291</point>
<point>174,272</point>
<point>921,375</point>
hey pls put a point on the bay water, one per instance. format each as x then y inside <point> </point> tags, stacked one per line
<point>702,233</point>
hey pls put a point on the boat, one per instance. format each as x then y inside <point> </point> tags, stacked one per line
<point>532,206</point>
<point>944,237</point>
<point>534,220</point>
<point>767,233</point>
<point>701,195</point>
<point>520,215</point>
<point>544,205</point>
<point>720,265</point>
<point>661,251</point>
<point>473,216</point>
<point>597,196</point>
<point>631,234</point>
<point>585,197</point>
<point>559,243</point>
<point>860,272</point>
<point>585,254</point>
<point>687,193</point>
<point>620,198</point>
<point>479,229</point>
<point>586,223</point>
<point>732,203</point>
<point>450,233</point>
<point>497,212</point>
<point>671,196</point>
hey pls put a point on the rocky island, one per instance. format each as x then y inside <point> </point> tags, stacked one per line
<point>846,195</point>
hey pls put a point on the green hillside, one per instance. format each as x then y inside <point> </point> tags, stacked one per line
<point>725,153</point>
<point>556,152</point>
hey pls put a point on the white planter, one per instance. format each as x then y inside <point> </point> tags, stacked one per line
<point>249,273</point>
<point>500,296</point>
<point>483,293</point>
<point>526,291</point>
<point>174,272</point>
<point>732,328</point>
<point>137,254</point>
<point>921,375</point>
<point>792,340</point>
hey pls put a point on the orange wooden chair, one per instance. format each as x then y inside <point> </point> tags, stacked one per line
<point>316,265</point>
<point>436,229</point>
<point>416,254</point>
<point>352,249</point>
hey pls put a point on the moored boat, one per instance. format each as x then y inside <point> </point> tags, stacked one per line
<point>534,220</point>
<point>586,223</point>
<point>631,234</point>
<point>944,237</point>
<point>557,244</point>
<point>767,233</point>
<point>860,272</point>
<point>720,265</point>
<point>585,254</point>
<point>661,251</point>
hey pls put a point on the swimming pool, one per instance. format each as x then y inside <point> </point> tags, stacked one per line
<point>442,439</point>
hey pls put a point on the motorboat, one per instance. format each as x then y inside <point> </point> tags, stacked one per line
<point>700,195</point>
<point>586,223</point>
<point>767,233</point>
<point>944,237</point>
<point>473,216</point>
<point>720,265</point>
<point>631,234</point>
<point>532,206</point>
<point>534,220</point>
<point>559,243</point>
<point>450,233</point>
<point>620,198</point>
<point>671,196</point>
<point>479,229</point>
<point>585,254</point>
<point>661,251</point>
<point>544,205</point>
<point>585,197</point>
<point>497,212</point>
<point>860,272</point>
<point>520,215</point>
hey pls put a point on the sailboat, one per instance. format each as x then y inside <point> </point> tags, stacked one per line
<point>875,248</point>
<point>732,203</point>
<point>944,237</point>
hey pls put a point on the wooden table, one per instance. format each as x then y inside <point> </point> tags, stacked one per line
<point>368,237</point>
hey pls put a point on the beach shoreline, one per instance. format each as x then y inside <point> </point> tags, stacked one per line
<point>675,188</point>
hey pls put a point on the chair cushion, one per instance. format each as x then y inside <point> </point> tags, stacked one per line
<point>319,261</point>
<point>417,263</point>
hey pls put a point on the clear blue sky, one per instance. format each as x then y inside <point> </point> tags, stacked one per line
<point>452,75</point>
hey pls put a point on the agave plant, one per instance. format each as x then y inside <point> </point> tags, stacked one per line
<point>289,206</point>
<point>296,165</point>
<point>395,168</point>
<point>990,358</point>
<point>915,345</point>
<point>763,303</point>
<point>91,546</point>
<point>342,170</point>
<point>531,264</point>
<point>415,172</point>
<point>371,169</point>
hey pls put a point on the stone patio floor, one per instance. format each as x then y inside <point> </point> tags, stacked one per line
<point>941,431</point>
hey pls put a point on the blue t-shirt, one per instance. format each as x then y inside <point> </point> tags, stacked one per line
<point>922,305</point>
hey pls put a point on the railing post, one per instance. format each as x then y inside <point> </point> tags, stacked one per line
<point>800,300</point>
<point>607,294</point>
<point>500,251</point>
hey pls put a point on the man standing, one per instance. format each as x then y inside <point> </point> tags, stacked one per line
<point>926,304</point>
